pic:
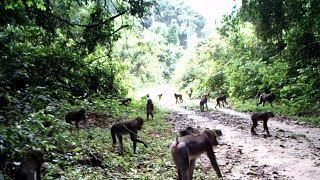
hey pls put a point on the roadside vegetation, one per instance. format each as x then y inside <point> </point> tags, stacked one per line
<point>58,56</point>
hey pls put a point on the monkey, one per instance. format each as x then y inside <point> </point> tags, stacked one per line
<point>76,116</point>
<point>94,160</point>
<point>263,98</point>
<point>222,99</point>
<point>189,130</point>
<point>30,168</point>
<point>130,127</point>
<point>159,96</point>
<point>203,101</point>
<point>150,109</point>
<point>125,101</point>
<point>264,116</point>
<point>178,98</point>
<point>187,148</point>
<point>3,102</point>
<point>190,93</point>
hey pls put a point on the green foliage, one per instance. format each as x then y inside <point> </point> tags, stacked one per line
<point>64,145</point>
<point>61,50</point>
<point>176,21</point>
<point>264,46</point>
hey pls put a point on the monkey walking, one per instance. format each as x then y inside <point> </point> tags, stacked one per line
<point>190,130</point>
<point>125,101</point>
<point>178,98</point>
<point>130,127</point>
<point>30,168</point>
<point>190,93</point>
<point>222,99</point>
<point>159,96</point>
<point>187,148</point>
<point>76,116</point>
<point>264,116</point>
<point>150,109</point>
<point>204,101</point>
<point>263,98</point>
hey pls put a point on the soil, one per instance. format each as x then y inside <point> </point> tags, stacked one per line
<point>292,151</point>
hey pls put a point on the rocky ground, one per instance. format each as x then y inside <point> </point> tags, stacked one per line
<point>292,151</point>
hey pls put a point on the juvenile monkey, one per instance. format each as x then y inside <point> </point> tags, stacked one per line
<point>190,93</point>
<point>150,109</point>
<point>264,116</point>
<point>187,148</point>
<point>222,99</point>
<point>130,127</point>
<point>125,101</point>
<point>30,168</point>
<point>263,98</point>
<point>190,130</point>
<point>159,96</point>
<point>203,101</point>
<point>187,131</point>
<point>76,116</point>
<point>178,98</point>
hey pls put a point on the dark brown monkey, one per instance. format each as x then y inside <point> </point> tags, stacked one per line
<point>94,160</point>
<point>266,97</point>
<point>76,116</point>
<point>159,96</point>
<point>187,148</point>
<point>190,93</point>
<point>150,109</point>
<point>125,101</point>
<point>222,99</point>
<point>178,98</point>
<point>130,127</point>
<point>204,101</point>
<point>30,168</point>
<point>187,131</point>
<point>264,116</point>
<point>3,102</point>
<point>190,130</point>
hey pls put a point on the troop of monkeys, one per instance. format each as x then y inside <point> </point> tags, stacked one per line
<point>187,147</point>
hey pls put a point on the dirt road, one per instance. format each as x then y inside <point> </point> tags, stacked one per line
<point>292,152</point>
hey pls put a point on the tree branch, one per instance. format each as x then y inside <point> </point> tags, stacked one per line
<point>88,25</point>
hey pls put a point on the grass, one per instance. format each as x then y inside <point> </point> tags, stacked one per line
<point>153,162</point>
<point>278,108</point>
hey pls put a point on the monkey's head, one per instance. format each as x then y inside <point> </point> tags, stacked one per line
<point>270,114</point>
<point>218,132</point>
<point>38,156</point>
<point>139,122</point>
<point>212,135</point>
<point>149,101</point>
<point>82,111</point>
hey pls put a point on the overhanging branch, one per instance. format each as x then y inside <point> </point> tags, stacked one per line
<point>88,25</point>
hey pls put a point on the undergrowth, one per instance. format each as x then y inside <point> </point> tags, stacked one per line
<point>282,108</point>
<point>64,145</point>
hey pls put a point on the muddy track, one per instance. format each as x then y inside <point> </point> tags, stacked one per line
<point>292,152</point>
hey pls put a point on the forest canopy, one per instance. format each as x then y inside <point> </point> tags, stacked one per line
<point>61,55</point>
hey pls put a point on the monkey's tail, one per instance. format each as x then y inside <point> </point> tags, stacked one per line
<point>177,142</point>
